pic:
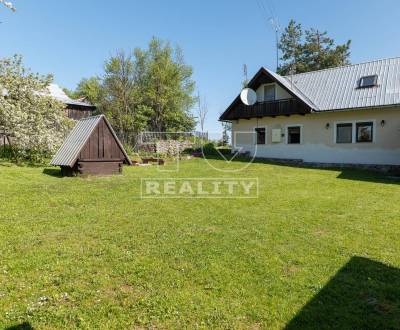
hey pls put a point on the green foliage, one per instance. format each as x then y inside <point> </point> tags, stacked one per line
<point>129,150</point>
<point>88,88</point>
<point>209,149</point>
<point>310,50</point>
<point>122,100</point>
<point>226,129</point>
<point>149,89</point>
<point>6,152</point>
<point>34,122</point>
<point>167,87</point>
<point>89,253</point>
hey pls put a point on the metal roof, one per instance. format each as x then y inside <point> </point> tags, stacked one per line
<point>337,88</point>
<point>56,91</point>
<point>76,140</point>
<point>293,88</point>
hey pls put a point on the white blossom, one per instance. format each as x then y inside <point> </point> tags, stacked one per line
<point>35,123</point>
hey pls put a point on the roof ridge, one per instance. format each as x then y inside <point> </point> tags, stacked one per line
<point>344,66</point>
<point>92,117</point>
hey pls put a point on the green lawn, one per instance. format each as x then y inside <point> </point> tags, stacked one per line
<point>317,249</point>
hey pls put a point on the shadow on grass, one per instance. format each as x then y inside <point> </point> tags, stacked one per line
<point>368,176</point>
<point>364,294</point>
<point>21,326</point>
<point>353,173</point>
<point>55,172</point>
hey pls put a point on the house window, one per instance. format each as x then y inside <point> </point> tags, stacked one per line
<point>364,132</point>
<point>344,133</point>
<point>269,92</point>
<point>260,135</point>
<point>294,135</point>
<point>368,81</point>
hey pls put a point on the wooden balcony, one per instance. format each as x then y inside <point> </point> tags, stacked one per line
<point>284,107</point>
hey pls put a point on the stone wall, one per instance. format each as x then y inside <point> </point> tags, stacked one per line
<point>172,148</point>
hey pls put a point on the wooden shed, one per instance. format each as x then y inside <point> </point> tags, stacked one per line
<point>93,148</point>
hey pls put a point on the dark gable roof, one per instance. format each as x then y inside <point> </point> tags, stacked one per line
<point>77,138</point>
<point>337,88</point>
<point>258,80</point>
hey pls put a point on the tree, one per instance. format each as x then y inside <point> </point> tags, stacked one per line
<point>147,89</point>
<point>167,87</point>
<point>122,96</point>
<point>202,110</point>
<point>291,47</point>
<point>34,122</point>
<point>320,51</point>
<point>88,88</point>
<point>226,128</point>
<point>310,50</point>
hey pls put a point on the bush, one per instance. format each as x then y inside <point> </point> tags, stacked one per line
<point>209,149</point>
<point>36,121</point>
<point>6,152</point>
<point>128,148</point>
<point>24,156</point>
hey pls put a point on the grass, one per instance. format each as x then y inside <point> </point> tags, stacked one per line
<point>317,249</point>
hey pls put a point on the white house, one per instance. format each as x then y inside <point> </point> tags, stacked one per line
<point>348,115</point>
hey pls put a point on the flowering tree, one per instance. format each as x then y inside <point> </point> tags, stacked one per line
<point>8,4</point>
<point>33,121</point>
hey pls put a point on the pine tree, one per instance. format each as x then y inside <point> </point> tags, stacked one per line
<point>310,50</point>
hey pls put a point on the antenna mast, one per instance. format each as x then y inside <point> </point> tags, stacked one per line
<point>277,28</point>
<point>245,81</point>
<point>273,21</point>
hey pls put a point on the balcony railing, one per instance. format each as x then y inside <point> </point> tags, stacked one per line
<point>284,107</point>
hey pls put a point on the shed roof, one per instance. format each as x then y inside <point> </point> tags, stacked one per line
<point>56,91</point>
<point>77,138</point>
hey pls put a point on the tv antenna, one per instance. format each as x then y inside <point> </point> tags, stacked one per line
<point>277,28</point>
<point>245,80</point>
<point>267,10</point>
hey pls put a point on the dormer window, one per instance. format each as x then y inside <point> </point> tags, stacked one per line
<point>269,92</point>
<point>368,81</point>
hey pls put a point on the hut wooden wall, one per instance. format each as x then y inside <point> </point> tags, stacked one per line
<point>78,114</point>
<point>101,146</point>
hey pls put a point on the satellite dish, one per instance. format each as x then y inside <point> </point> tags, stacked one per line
<point>248,96</point>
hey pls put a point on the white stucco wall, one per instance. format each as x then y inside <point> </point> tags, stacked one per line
<point>318,142</point>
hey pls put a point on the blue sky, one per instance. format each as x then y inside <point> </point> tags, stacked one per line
<point>72,39</point>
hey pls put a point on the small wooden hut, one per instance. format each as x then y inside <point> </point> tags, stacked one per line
<point>93,148</point>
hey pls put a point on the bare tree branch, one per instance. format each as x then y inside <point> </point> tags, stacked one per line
<point>202,110</point>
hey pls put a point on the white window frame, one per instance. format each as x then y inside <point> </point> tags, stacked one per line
<point>287,133</point>
<point>255,135</point>
<point>269,84</point>
<point>234,135</point>
<point>354,130</point>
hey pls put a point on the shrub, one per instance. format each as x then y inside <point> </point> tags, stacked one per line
<point>34,121</point>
